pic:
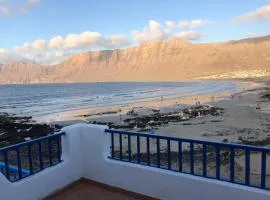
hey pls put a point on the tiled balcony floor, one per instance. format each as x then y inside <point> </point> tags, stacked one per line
<point>87,190</point>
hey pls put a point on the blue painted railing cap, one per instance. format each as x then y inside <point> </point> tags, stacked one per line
<point>221,144</point>
<point>15,146</point>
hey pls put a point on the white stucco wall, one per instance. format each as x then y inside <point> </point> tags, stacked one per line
<point>41,184</point>
<point>86,148</point>
<point>154,182</point>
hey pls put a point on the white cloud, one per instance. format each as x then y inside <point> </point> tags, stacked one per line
<point>198,23</point>
<point>37,45</point>
<point>170,26</point>
<point>29,3</point>
<point>6,56</point>
<point>254,35</point>
<point>84,39</point>
<point>184,24</point>
<point>157,31</point>
<point>188,35</point>
<point>152,32</point>
<point>56,42</point>
<point>33,1</point>
<point>59,47</point>
<point>48,58</point>
<point>59,53</point>
<point>261,14</point>
<point>193,24</point>
<point>5,10</point>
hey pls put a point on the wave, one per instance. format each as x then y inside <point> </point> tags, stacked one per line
<point>43,99</point>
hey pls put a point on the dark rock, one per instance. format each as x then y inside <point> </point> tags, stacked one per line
<point>16,128</point>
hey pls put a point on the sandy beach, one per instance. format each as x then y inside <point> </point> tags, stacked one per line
<point>240,120</point>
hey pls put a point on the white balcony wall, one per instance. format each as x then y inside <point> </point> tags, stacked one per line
<point>85,152</point>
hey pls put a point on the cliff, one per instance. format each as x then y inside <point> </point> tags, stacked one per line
<point>170,60</point>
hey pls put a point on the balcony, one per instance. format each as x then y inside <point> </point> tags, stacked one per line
<point>86,189</point>
<point>92,162</point>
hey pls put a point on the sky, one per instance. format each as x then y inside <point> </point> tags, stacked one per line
<point>48,31</point>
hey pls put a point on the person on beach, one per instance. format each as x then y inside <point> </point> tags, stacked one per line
<point>259,104</point>
<point>120,118</point>
<point>212,99</point>
<point>161,99</point>
<point>197,102</point>
<point>179,101</point>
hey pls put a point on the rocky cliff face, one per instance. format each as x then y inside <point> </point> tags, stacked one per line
<point>22,72</point>
<point>171,60</point>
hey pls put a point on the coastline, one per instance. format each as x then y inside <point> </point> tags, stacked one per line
<point>229,117</point>
<point>82,115</point>
<point>240,122</point>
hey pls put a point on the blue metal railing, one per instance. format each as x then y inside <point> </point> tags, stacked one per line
<point>215,160</point>
<point>25,159</point>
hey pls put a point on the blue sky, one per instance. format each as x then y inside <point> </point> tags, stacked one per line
<point>122,23</point>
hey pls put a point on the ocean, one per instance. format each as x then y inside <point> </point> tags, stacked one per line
<point>43,99</point>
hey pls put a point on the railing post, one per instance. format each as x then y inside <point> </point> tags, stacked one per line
<point>50,151</point>
<point>40,156</point>
<point>232,165</point>
<point>217,162</point>
<point>6,164</point>
<point>30,159</point>
<point>59,150</point>
<point>120,146</point>
<point>192,158</point>
<point>169,153</point>
<point>204,160</point>
<point>247,167</point>
<point>263,169</point>
<point>112,142</point>
<point>19,163</point>
<point>129,149</point>
<point>148,150</point>
<point>158,153</point>
<point>180,156</point>
<point>138,150</point>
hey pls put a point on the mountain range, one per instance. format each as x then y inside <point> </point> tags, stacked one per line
<point>170,60</point>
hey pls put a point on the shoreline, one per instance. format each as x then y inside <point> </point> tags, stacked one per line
<point>214,118</point>
<point>79,115</point>
<point>240,122</point>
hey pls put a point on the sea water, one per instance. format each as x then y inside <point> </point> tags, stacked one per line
<point>44,99</point>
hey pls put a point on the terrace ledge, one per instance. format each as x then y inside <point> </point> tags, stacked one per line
<point>85,155</point>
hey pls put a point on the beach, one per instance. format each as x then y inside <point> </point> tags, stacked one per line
<point>208,115</point>
<point>238,119</point>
